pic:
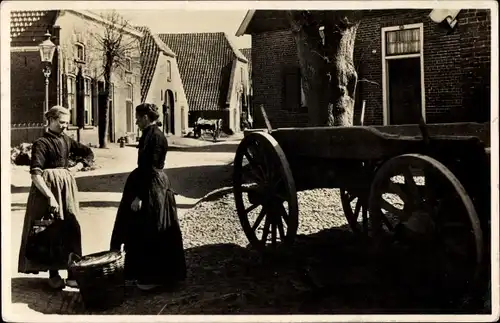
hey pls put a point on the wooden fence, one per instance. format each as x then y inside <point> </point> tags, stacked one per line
<point>25,132</point>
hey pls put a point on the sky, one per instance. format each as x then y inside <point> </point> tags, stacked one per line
<point>184,21</point>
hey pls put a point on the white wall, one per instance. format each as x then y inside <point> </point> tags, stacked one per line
<point>234,97</point>
<point>75,27</point>
<point>159,85</point>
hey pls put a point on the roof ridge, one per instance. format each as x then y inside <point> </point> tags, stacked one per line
<point>158,42</point>
<point>205,62</point>
<point>197,33</point>
<point>239,55</point>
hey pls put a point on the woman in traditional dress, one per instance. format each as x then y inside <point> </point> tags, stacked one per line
<point>146,221</point>
<point>54,193</point>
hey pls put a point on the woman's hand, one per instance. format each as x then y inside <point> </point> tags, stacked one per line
<point>136,204</point>
<point>76,168</point>
<point>53,205</point>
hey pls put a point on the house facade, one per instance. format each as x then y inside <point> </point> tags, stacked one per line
<point>408,65</point>
<point>247,52</point>
<point>76,81</point>
<point>161,83</point>
<point>214,75</point>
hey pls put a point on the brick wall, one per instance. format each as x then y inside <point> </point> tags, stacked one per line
<point>456,64</point>
<point>475,28</point>
<point>28,88</point>
<point>456,67</point>
<point>271,53</point>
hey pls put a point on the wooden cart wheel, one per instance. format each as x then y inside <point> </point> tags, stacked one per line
<point>429,220</point>
<point>355,206</point>
<point>264,192</point>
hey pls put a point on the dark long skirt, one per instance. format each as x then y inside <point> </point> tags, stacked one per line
<point>62,184</point>
<point>152,236</point>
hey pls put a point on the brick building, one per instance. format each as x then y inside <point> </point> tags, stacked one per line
<point>408,63</point>
<point>73,31</point>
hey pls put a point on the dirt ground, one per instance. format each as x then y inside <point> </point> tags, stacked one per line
<point>194,172</point>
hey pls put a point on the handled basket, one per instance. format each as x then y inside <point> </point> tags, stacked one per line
<point>100,277</point>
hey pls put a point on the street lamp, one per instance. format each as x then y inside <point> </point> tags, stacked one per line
<point>47,49</point>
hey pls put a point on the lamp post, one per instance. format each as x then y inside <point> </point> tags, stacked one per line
<point>47,49</point>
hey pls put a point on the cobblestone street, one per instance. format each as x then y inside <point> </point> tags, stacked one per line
<point>194,172</point>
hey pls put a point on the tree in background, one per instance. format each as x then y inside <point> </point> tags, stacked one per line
<point>325,45</point>
<point>116,50</point>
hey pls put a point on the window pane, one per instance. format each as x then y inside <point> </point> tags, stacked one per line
<point>129,92</point>
<point>129,113</point>
<point>400,42</point>
<point>88,109</point>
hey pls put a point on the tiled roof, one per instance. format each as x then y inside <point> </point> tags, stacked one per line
<point>151,47</point>
<point>205,62</point>
<point>28,27</point>
<point>248,54</point>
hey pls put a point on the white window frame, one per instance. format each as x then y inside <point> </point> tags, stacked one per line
<point>169,71</point>
<point>71,92</point>
<point>80,59</point>
<point>385,61</point>
<point>87,101</point>
<point>130,99</point>
<point>128,64</point>
<point>303,99</point>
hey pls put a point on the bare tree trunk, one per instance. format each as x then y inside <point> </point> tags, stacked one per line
<point>327,64</point>
<point>312,68</point>
<point>104,111</point>
<point>343,77</point>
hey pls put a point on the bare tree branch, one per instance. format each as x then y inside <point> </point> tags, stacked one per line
<point>112,48</point>
<point>368,81</point>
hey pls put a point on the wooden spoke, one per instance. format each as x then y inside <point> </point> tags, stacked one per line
<point>274,182</point>
<point>410,184</point>
<point>426,222</point>
<point>351,215</point>
<point>277,181</point>
<point>261,216</point>
<point>398,190</point>
<point>281,229</point>
<point>365,219</point>
<point>265,231</point>
<point>281,197</point>
<point>251,208</point>
<point>254,167</point>
<point>283,214</point>
<point>387,223</point>
<point>273,233</point>
<point>385,205</point>
<point>357,209</point>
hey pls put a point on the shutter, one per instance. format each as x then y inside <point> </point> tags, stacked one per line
<point>80,99</point>
<point>95,102</point>
<point>291,89</point>
<point>64,89</point>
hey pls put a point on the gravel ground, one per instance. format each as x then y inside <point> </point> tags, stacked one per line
<point>327,271</point>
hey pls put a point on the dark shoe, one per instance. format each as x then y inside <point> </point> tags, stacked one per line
<point>71,283</point>
<point>56,282</point>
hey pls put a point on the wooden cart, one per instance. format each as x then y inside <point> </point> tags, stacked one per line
<point>422,185</point>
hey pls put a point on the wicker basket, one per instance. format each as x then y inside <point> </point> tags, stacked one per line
<point>100,277</point>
